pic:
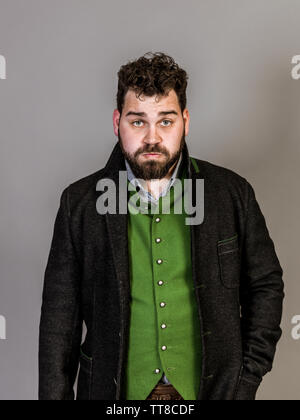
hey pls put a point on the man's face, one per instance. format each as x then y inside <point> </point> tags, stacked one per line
<point>151,132</point>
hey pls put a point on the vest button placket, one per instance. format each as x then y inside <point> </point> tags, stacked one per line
<point>158,261</point>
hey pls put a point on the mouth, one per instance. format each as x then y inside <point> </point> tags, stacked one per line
<point>152,154</point>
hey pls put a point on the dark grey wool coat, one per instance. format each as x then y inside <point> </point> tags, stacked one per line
<point>237,283</point>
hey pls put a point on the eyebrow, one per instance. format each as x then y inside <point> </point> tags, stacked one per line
<point>143,114</point>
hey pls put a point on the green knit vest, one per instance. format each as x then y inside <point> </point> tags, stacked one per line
<point>164,325</point>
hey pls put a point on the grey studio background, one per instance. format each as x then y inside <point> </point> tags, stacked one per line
<point>56,104</point>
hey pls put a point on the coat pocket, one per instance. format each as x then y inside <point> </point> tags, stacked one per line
<point>84,387</point>
<point>247,386</point>
<point>229,261</point>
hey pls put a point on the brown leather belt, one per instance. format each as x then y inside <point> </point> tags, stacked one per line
<point>164,392</point>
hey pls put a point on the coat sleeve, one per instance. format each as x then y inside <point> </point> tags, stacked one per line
<point>61,322</point>
<point>261,298</point>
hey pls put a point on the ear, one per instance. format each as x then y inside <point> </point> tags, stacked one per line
<point>186,120</point>
<point>116,121</point>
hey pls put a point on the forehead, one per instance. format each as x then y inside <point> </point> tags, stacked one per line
<point>150,104</point>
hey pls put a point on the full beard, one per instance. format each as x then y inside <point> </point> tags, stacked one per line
<point>152,168</point>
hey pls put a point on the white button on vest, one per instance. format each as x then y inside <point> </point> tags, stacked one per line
<point>157,219</point>
<point>163,326</point>
<point>159,261</point>
<point>157,240</point>
<point>157,370</point>
<point>164,348</point>
<point>162,304</point>
<point>160,282</point>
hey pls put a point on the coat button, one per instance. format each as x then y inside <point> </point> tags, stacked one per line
<point>162,304</point>
<point>163,326</point>
<point>160,282</point>
<point>164,348</point>
<point>159,261</point>
<point>157,370</point>
<point>157,219</point>
<point>157,240</point>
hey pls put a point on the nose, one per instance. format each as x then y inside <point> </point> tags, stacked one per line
<point>152,136</point>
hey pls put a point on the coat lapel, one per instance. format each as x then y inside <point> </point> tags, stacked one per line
<point>117,223</point>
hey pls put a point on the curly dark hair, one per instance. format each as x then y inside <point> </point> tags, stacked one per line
<point>153,75</point>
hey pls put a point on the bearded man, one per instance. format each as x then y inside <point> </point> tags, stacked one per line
<point>173,310</point>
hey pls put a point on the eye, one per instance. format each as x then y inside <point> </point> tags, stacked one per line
<point>137,121</point>
<point>167,121</point>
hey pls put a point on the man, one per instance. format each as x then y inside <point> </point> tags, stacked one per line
<point>173,310</point>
